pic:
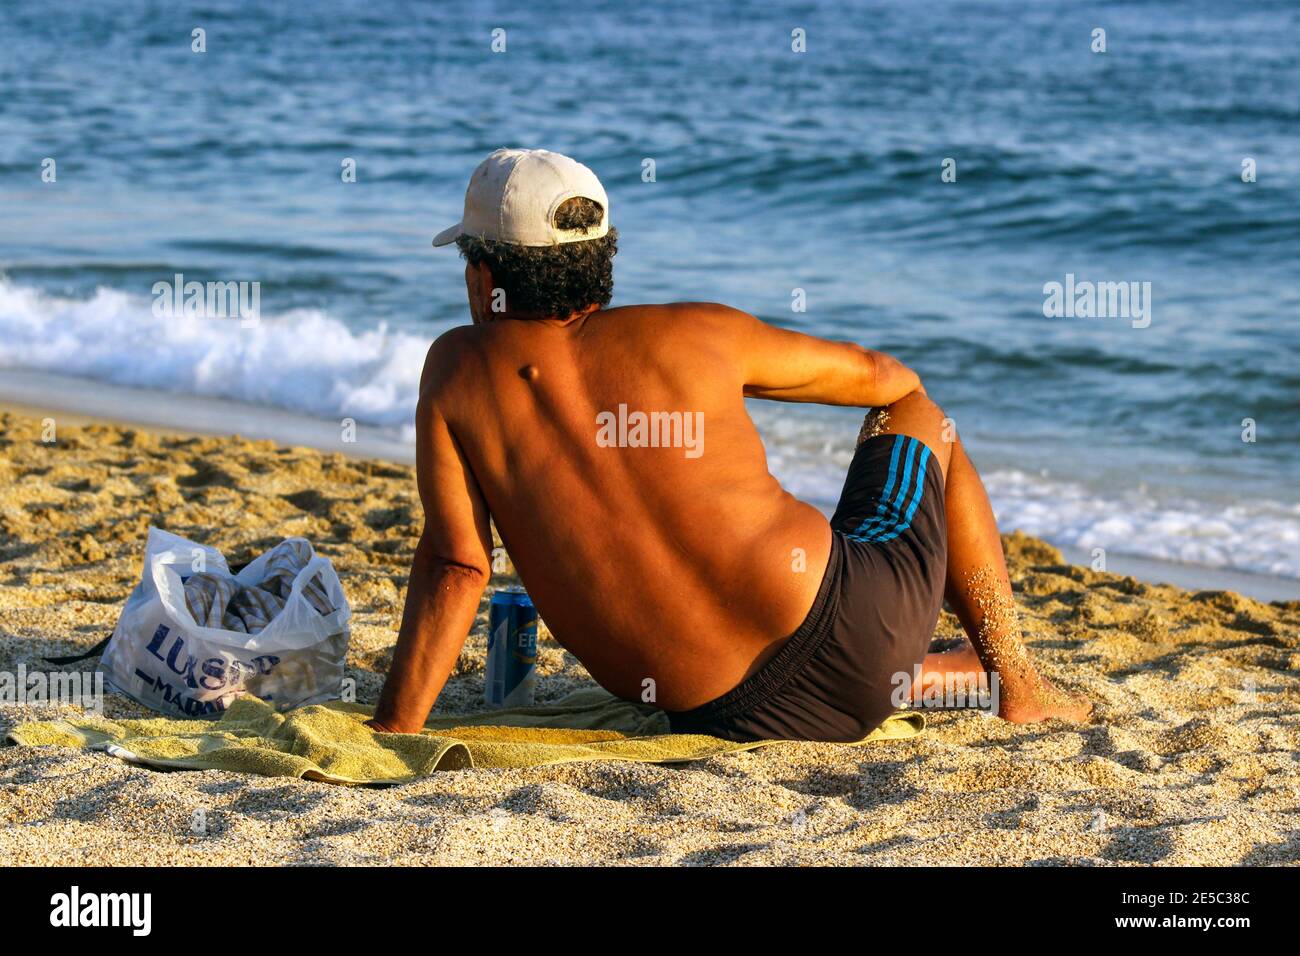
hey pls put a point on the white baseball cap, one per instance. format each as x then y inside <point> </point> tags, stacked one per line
<point>513,195</point>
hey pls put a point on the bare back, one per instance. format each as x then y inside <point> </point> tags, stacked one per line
<point>686,565</point>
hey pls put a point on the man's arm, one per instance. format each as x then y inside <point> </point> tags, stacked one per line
<point>448,575</point>
<point>792,367</point>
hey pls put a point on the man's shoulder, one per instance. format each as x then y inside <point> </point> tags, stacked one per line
<point>695,338</point>
<point>447,354</point>
<point>678,310</point>
<point>710,318</point>
<point>454,341</point>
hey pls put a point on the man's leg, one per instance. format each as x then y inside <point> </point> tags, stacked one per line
<point>977,587</point>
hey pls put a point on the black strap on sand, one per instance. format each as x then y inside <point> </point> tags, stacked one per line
<point>99,648</point>
<point>73,659</point>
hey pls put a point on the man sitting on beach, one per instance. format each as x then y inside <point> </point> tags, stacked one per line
<point>673,565</point>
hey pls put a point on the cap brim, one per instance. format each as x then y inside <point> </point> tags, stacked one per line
<point>447,236</point>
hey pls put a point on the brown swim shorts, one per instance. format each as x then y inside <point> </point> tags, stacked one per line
<point>837,676</point>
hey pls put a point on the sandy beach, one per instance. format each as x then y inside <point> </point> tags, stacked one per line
<point>1189,759</point>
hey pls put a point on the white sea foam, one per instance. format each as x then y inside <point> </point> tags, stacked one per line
<point>1260,536</point>
<point>308,362</point>
<point>811,455</point>
<point>303,360</point>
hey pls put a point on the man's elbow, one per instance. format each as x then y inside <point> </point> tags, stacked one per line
<point>453,582</point>
<point>889,379</point>
<point>449,572</point>
<point>455,575</point>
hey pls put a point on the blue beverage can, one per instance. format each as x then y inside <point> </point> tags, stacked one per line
<point>512,649</point>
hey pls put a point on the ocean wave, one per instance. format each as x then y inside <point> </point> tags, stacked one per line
<point>810,456</point>
<point>303,360</point>
<point>310,362</point>
<point>1259,536</point>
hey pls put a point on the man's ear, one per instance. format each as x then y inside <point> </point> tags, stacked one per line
<point>485,285</point>
<point>478,283</point>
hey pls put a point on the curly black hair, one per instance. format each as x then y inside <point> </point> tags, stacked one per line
<point>552,280</point>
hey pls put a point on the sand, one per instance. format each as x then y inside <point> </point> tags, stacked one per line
<point>1189,759</point>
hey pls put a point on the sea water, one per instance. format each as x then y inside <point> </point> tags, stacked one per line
<point>805,187</point>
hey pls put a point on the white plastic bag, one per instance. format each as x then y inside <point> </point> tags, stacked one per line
<point>160,657</point>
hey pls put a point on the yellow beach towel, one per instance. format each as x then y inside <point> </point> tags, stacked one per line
<point>330,742</point>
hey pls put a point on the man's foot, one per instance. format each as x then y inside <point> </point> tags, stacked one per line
<point>1042,700</point>
<point>1039,700</point>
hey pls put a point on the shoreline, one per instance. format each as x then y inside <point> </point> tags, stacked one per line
<point>26,393</point>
